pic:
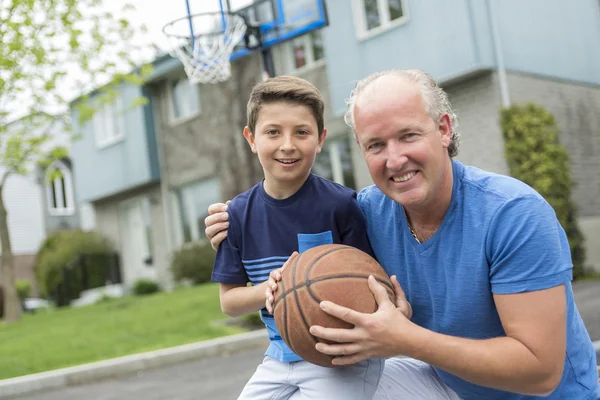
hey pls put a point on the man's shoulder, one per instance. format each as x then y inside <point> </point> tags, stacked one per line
<point>488,186</point>
<point>373,197</point>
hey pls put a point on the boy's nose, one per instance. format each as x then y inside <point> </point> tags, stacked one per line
<point>287,144</point>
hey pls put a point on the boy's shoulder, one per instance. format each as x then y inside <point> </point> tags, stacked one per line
<point>241,201</point>
<point>325,186</point>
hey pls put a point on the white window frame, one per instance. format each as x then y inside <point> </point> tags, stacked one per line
<point>173,119</point>
<point>311,63</point>
<point>360,18</point>
<point>102,136</point>
<point>64,205</point>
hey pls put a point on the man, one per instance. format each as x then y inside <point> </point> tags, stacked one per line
<point>483,261</point>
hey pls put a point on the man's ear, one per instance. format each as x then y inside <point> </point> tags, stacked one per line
<point>445,129</point>
<point>250,138</point>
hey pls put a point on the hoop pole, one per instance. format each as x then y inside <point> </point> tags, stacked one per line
<point>189,11</point>
<point>223,12</point>
<point>268,64</point>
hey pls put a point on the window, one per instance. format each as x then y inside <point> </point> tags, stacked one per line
<point>335,162</point>
<point>306,50</point>
<point>108,124</point>
<point>60,190</point>
<point>184,99</point>
<point>193,201</point>
<point>373,16</point>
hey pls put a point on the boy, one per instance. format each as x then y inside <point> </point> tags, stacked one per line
<point>290,210</point>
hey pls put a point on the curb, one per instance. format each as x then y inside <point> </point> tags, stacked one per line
<point>86,373</point>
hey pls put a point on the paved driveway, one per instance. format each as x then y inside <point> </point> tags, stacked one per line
<point>223,378</point>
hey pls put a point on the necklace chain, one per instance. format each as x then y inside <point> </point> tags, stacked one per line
<point>410,227</point>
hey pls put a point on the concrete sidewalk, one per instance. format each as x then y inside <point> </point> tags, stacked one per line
<point>130,364</point>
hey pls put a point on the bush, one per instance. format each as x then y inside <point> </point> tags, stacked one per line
<point>536,157</point>
<point>63,248</point>
<point>23,288</point>
<point>193,263</point>
<point>143,287</point>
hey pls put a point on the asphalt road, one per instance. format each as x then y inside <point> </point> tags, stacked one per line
<point>223,378</point>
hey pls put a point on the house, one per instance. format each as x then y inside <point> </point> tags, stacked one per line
<point>117,172</point>
<point>37,207</point>
<point>60,209</point>
<point>151,172</point>
<point>485,53</point>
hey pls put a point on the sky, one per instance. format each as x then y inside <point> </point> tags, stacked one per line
<point>156,13</point>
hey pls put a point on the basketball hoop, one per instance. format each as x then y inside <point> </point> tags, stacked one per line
<point>205,54</point>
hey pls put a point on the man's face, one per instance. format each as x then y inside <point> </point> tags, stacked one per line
<point>405,150</point>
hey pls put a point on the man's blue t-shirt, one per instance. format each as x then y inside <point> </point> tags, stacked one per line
<point>264,231</point>
<point>498,236</point>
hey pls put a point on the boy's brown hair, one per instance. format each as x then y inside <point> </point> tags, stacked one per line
<point>286,88</point>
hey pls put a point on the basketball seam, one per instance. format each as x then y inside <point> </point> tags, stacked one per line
<point>298,301</point>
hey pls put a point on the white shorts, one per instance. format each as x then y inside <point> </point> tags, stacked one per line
<point>407,378</point>
<point>276,380</point>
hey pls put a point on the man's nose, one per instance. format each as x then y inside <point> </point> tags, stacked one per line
<point>395,156</point>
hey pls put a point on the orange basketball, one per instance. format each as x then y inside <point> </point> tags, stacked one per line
<point>333,272</point>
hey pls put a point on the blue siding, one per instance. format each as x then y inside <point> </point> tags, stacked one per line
<point>101,172</point>
<point>554,38</point>
<point>438,37</point>
<point>449,38</point>
<point>151,136</point>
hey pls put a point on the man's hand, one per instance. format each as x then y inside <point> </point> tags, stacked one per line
<point>274,277</point>
<point>379,335</point>
<point>216,224</point>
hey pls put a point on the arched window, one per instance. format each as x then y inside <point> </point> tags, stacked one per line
<point>59,191</point>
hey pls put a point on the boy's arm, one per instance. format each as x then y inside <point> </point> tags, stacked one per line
<point>237,299</point>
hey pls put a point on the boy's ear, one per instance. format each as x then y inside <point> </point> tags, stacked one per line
<point>250,138</point>
<point>321,140</point>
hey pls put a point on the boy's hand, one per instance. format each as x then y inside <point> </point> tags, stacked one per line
<point>216,223</point>
<point>274,277</point>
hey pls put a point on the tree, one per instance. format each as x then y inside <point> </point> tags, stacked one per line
<point>52,50</point>
<point>536,157</point>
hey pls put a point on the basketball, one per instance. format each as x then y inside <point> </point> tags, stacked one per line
<point>333,272</point>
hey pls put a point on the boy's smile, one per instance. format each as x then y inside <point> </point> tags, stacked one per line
<point>286,140</point>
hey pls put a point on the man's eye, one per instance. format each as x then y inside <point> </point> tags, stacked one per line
<point>374,146</point>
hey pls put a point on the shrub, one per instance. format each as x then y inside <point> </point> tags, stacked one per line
<point>68,248</point>
<point>193,263</point>
<point>143,287</point>
<point>536,157</point>
<point>23,288</point>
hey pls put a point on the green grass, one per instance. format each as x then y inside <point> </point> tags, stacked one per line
<point>113,328</point>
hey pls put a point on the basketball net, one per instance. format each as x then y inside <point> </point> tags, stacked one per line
<point>205,57</point>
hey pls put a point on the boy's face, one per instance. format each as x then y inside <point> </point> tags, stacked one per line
<point>286,141</point>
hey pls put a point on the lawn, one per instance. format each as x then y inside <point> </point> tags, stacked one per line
<point>117,327</point>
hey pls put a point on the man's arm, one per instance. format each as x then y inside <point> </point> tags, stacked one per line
<point>528,360</point>
<point>239,299</point>
<point>216,224</point>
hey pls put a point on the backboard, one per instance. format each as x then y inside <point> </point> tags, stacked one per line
<point>280,20</point>
<point>206,42</point>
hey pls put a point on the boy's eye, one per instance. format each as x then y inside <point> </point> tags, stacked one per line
<point>272,132</point>
<point>303,132</point>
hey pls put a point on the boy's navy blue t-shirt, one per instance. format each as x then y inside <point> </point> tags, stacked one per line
<point>263,232</point>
